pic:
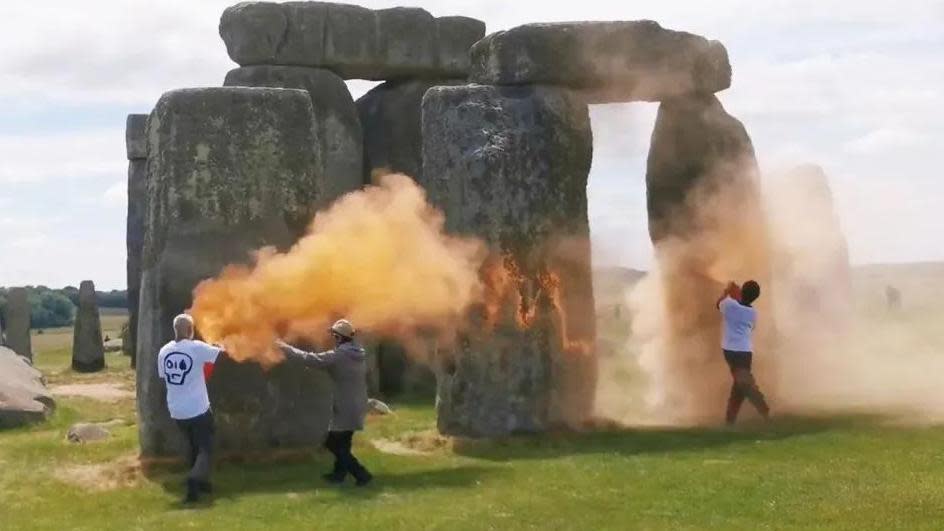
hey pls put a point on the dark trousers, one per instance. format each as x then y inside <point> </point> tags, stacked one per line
<point>339,444</point>
<point>199,432</point>
<point>743,385</point>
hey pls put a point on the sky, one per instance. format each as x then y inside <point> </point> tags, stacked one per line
<point>854,86</point>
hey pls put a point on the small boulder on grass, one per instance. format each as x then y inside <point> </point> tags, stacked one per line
<point>24,398</point>
<point>378,407</point>
<point>84,432</point>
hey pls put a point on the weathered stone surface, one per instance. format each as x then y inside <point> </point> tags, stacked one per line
<point>24,398</point>
<point>510,165</point>
<point>695,145</point>
<point>707,225</point>
<point>17,317</point>
<point>136,136</point>
<point>88,350</point>
<point>456,35</point>
<point>390,115</point>
<point>353,41</point>
<point>137,207</point>
<point>606,61</point>
<point>230,170</point>
<point>86,432</point>
<point>339,130</point>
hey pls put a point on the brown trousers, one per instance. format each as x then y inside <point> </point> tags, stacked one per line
<point>743,386</point>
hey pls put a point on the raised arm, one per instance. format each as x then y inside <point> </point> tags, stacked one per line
<point>311,359</point>
<point>729,291</point>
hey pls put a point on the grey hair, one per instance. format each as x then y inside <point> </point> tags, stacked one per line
<point>181,322</point>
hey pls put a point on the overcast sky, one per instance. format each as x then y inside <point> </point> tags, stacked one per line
<point>855,86</point>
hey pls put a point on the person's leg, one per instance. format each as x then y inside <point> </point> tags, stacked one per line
<point>338,472</point>
<point>202,436</point>
<point>344,451</point>
<point>754,395</point>
<point>186,426</point>
<point>735,399</point>
<point>358,470</point>
<point>752,392</point>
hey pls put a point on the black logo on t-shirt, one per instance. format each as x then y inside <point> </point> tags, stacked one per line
<point>177,366</point>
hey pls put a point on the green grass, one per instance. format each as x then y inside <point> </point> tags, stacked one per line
<point>842,473</point>
<point>847,472</point>
<point>52,351</point>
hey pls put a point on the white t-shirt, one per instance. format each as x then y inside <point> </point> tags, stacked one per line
<point>739,321</point>
<point>180,365</point>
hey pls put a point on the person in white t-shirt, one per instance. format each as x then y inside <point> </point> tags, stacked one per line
<point>740,318</point>
<point>180,364</point>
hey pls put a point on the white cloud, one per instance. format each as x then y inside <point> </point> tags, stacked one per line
<point>32,241</point>
<point>886,140</point>
<point>116,195</point>
<point>30,158</point>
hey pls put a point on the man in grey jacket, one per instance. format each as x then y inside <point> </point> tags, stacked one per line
<point>347,366</point>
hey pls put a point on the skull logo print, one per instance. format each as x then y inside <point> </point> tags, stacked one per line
<point>177,366</point>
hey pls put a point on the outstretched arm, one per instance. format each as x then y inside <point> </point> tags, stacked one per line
<point>311,359</point>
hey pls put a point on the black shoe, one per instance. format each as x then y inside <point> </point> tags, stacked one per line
<point>331,477</point>
<point>364,479</point>
<point>193,492</point>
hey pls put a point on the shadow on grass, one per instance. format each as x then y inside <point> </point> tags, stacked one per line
<point>638,441</point>
<point>296,475</point>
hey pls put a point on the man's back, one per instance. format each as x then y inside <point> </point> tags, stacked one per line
<point>180,365</point>
<point>739,322</point>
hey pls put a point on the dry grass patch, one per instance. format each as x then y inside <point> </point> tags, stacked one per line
<point>119,473</point>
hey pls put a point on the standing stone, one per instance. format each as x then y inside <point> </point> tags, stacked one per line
<point>812,281</point>
<point>136,136</point>
<point>390,114</point>
<point>510,165</point>
<point>810,255</point>
<point>606,61</point>
<point>339,130</point>
<point>230,170</point>
<point>17,318</point>
<point>353,41</point>
<point>88,351</point>
<point>707,225</point>
<point>136,144</point>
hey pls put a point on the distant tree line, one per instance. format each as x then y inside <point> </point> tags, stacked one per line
<point>50,308</point>
<point>106,299</point>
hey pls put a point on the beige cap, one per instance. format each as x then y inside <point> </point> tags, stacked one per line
<point>343,327</point>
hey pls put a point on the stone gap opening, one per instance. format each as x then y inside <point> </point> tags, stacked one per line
<point>622,252</point>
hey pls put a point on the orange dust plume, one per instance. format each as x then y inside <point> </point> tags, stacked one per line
<point>378,257</point>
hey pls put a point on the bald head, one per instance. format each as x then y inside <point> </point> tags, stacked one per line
<point>183,327</point>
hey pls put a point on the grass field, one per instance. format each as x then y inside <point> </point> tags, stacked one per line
<point>839,472</point>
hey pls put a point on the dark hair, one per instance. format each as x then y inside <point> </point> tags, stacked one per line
<point>750,291</point>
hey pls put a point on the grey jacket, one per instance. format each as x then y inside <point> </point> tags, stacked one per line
<point>347,366</point>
